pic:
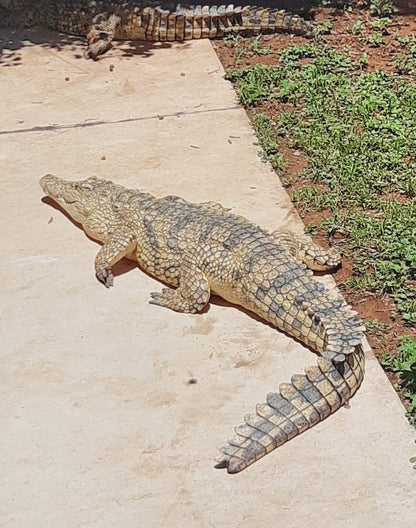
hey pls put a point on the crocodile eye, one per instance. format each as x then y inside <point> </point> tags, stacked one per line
<point>90,183</point>
<point>83,186</point>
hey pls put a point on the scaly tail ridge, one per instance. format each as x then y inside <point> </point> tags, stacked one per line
<point>216,22</point>
<point>298,406</point>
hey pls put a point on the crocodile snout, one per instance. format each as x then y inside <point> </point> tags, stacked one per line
<point>46,181</point>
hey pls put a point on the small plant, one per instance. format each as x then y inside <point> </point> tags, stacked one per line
<point>376,39</point>
<point>255,47</point>
<point>376,330</point>
<point>357,28</point>
<point>404,364</point>
<point>382,8</point>
<point>232,40</point>
<point>239,54</point>
<point>364,59</point>
<point>324,29</point>
<point>404,41</point>
<point>235,41</point>
<point>373,326</point>
<point>267,136</point>
<point>381,25</point>
<point>405,63</point>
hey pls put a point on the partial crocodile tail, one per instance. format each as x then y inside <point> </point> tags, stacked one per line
<point>186,23</point>
<point>297,406</point>
<point>216,22</point>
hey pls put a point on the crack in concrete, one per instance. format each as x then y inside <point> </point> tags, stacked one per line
<point>87,123</point>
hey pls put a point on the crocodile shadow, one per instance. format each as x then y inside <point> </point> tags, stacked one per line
<point>13,41</point>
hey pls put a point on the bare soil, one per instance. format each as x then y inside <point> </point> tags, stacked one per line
<point>378,307</point>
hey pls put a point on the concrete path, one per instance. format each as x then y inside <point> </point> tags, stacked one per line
<point>100,426</point>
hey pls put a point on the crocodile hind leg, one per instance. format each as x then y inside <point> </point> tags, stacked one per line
<point>192,294</point>
<point>303,248</point>
<point>100,34</point>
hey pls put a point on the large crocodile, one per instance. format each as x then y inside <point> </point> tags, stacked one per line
<point>201,249</point>
<point>101,21</point>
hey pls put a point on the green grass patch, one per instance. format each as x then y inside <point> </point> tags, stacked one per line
<point>265,129</point>
<point>405,60</point>
<point>403,363</point>
<point>358,133</point>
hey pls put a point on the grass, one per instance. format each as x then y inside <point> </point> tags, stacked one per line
<point>405,60</point>
<point>358,135</point>
<point>266,132</point>
<point>403,363</point>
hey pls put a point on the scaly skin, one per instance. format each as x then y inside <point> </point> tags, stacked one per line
<point>201,249</point>
<point>102,21</point>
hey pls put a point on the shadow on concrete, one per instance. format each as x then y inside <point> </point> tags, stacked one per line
<point>13,40</point>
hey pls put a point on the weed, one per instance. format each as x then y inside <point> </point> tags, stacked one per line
<point>324,29</point>
<point>255,47</point>
<point>381,25</point>
<point>405,63</point>
<point>235,41</point>
<point>376,39</point>
<point>381,8</point>
<point>239,54</point>
<point>266,134</point>
<point>403,363</point>
<point>373,326</point>
<point>376,330</point>
<point>357,28</point>
<point>364,59</point>
<point>404,41</point>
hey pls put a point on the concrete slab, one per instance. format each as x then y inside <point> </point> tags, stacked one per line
<point>100,426</point>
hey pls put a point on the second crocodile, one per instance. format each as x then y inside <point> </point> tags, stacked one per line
<point>101,21</point>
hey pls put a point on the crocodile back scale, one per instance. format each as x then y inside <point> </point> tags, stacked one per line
<point>101,21</point>
<point>200,249</point>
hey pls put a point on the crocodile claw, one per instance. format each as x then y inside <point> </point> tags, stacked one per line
<point>106,277</point>
<point>161,298</point>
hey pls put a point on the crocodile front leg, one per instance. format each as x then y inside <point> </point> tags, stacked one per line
<point>118,245</point>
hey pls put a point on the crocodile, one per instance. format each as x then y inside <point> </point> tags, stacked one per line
<point>101,21</point>
<point>203,249</point>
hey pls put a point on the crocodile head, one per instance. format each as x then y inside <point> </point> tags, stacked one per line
<point>78,198</point>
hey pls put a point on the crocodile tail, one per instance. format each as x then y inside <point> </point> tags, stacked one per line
<point>298,406</point>
<point>157,24</point>
<point>216,22</point>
